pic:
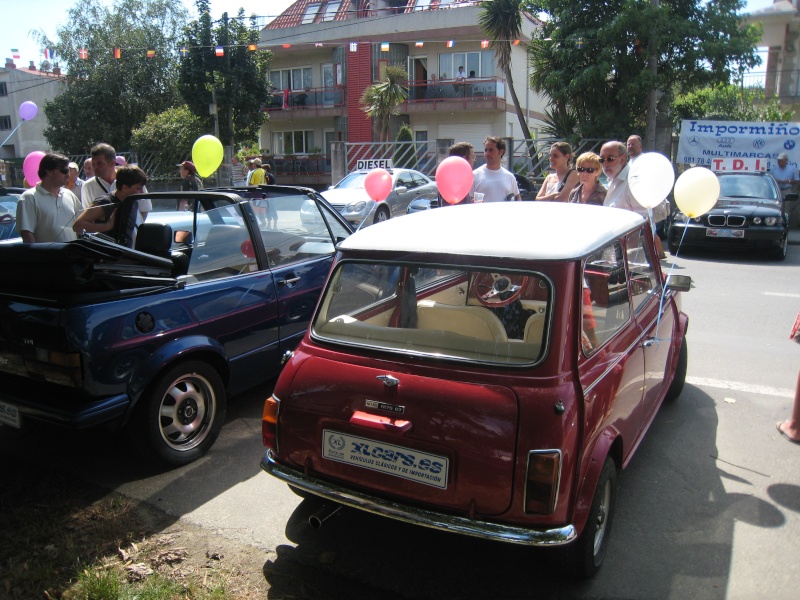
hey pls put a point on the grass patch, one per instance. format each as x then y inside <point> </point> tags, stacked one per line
<point>63,539</point>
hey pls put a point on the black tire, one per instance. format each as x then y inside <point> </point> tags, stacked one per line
<point>583,557</point>
<point>382,214</point>
<point>672,244</point>
<point>676,387</point>
<point>779,250</point>
<point>181,414</point>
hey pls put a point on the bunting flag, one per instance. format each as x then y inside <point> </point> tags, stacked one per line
<point>451,43</point>
<point>285,46</point>
<point>83,54</point>
<point>151,53</point>
<point>219,51</point>
<point>183,51</point>
<point>48,54</point>
<point>317,45</point>
<point>516,42</point>
<point>579,44</point>
<point>254,47</point>
<point>384,46</point>
<point>15,53</point>
<point>419,44</point>
<point>353,46</point>
<point>117,53</point>
<point>484,43</point>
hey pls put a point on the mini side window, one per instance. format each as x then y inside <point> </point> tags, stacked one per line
<point>605,305</point>
<point>643,276</point>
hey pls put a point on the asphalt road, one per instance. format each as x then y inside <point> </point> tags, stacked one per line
<point>709,507</point>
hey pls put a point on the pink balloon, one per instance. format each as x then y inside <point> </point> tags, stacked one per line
<point>454,179</point>
<point>120,160</point>
<point>28,110</point>
<point>30,167</point>
<point>378,184</point>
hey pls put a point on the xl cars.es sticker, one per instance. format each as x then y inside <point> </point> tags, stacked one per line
<point>429,469</point>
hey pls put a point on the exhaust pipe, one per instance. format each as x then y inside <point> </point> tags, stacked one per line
<point>323,514</point>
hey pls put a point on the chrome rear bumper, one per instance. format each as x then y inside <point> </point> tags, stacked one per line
<point>416,515</point>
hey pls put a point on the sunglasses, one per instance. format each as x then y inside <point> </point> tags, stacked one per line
<point>64,170</point>
<point>586,169</point>
<point>609,159</point>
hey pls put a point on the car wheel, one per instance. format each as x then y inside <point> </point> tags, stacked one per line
<point>673,244</point>
<point>181,414</point>
<point>676,387</point>
<point>584,556</point>
<point>780,249</point>
<point>382,214</point>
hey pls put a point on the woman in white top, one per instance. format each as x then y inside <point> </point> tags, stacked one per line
<point>558,185</point>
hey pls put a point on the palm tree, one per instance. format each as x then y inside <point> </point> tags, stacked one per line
<point>382,100</point>
<point>501,22</point>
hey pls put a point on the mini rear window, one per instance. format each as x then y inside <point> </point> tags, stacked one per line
<point>438,312</point>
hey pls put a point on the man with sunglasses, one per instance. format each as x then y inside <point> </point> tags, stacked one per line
<point>45,213</point>
<point>616,167</point>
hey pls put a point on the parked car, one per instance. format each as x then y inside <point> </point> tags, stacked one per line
<point>749,214</point>
<point>526,190</point>
<point>484,371</point>
<point>351,199</point>
<point>157,338</point>
<point>9,197</point>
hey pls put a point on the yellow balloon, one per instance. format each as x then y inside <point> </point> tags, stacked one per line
<point>207,155</point>
<point>696,191</point>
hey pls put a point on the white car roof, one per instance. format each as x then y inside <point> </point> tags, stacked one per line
<point>525,230</point>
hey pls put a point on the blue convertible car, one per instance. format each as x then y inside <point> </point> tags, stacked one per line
<point>216,290</point>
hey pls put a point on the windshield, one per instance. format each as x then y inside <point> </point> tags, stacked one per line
<point>438,312</point>
<point>745,186</point>
<point>352,181</point>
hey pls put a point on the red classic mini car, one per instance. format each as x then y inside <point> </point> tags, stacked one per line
<point>485,370</point>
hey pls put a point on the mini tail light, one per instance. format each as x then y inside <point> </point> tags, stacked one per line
<point>269,423</point>
<point>541,481</point>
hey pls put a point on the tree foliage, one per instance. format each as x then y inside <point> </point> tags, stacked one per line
<point>501,21</point>
<point>404,151</point>
<point>726,102</point>
<point>382,100</point>
<point>170,133</point>
<point>593,57</point>
<point>235,82</point>
<point>107,98</point>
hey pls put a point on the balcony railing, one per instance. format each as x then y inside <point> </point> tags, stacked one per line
<point>435,91</point>
<point>783,84</point>
<point>310,98</point>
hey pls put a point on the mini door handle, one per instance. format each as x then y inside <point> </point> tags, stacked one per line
<point>648,342</point>
<point>289,281</point>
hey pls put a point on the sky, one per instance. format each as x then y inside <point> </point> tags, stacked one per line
<point>19,18</point>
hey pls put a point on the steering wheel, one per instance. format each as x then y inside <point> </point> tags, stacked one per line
<point>496,290</point>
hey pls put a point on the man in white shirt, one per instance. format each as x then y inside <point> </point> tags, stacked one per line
<point>616,167</point>
<point>105,173</point>
<point>634,148</point>
<point>787,177</point>
<point>46,212</point>
<point>496,183</point>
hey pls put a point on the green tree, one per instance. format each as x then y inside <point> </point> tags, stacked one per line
<point>170,133</point>
<point>594,58</point>
<point>382,100</point>
<point>107,98</point>
<point>236,82</point>
<point>726,102</point>
<point>501,21</point>
<point>404,151</point>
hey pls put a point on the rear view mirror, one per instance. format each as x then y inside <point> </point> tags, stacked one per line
<point>679,283</point>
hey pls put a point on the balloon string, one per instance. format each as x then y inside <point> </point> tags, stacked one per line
<point>10,134</point>
<point>669,274</point>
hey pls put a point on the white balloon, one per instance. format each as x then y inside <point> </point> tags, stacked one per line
<point>650,179</point>
<point>696,191</point>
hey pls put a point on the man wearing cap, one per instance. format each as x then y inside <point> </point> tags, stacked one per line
<point>257,174</point>
<point>787,177</point>
<point>190,182</point>
<point>74,183</point>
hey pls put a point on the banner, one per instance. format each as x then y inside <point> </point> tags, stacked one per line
<point>737,145</point>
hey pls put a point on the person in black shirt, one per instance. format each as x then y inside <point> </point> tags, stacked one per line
<point>109,214</point>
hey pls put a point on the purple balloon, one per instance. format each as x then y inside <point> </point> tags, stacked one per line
<point>28,110</point>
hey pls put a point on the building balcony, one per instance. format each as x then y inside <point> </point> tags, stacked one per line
<point>783,84</point>
<point>483,93</point>
<point>288,105</point>
<point>302,169</point>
